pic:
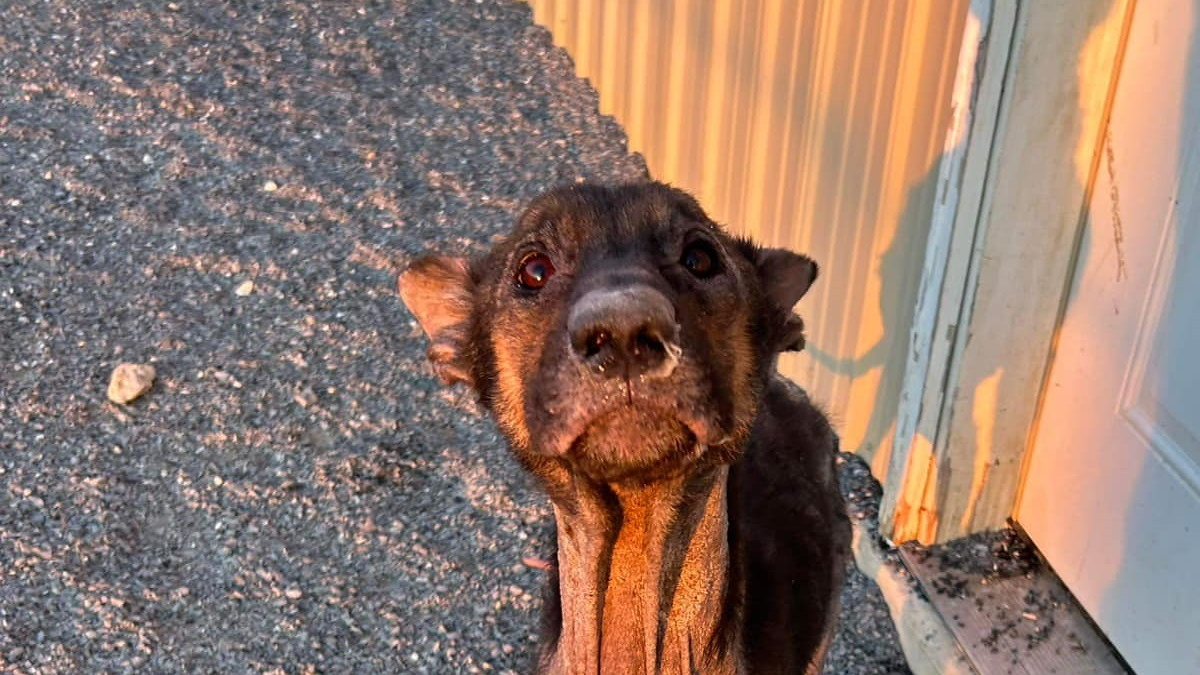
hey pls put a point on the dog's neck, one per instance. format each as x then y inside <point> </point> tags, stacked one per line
<point>643,577</point>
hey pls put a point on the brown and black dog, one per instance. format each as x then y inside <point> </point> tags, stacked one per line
<point>626,346</point>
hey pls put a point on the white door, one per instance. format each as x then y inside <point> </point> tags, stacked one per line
<point>1112,494</point>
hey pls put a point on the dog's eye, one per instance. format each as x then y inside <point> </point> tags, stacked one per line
<point>700,259</point>
<point>534,271</point>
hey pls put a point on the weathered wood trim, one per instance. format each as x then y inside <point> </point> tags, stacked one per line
<point>976,102</point>
<point>964,462</point>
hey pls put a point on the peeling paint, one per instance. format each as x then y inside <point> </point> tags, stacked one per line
<point>1114,196</point>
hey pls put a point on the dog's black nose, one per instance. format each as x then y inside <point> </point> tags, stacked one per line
<point>625,332</point>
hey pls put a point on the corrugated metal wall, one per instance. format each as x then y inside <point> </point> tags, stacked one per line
<point>812,125</point>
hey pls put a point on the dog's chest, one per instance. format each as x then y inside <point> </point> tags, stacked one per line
<point>662,599</point>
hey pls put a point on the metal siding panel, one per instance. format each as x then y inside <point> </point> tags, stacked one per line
<point>812,125</point>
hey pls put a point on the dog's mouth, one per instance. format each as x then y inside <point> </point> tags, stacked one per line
<point>625,430</point>
<point>630,440</point>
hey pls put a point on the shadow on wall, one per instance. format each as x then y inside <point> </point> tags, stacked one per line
<point>898,273</point>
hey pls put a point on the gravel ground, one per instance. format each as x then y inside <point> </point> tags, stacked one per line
<point>296,494</point>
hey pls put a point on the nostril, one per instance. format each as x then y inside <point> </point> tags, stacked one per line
<point>595,342</point>
<point>648,346</point>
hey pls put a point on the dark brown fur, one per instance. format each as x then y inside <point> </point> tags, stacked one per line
<point>700,529</point>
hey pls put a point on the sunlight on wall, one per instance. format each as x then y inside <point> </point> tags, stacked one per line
<point>983,414</point>
<point>815,126</point>
<point>918,494</point>
<point>1097,50</point>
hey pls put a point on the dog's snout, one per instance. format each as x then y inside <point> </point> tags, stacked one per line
<point>627,332</point>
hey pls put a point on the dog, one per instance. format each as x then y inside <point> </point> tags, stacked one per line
<point>626,346</point>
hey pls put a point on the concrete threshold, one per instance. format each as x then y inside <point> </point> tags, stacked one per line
<point>929,645</point>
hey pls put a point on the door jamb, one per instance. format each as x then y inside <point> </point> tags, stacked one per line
<point>999,260</point>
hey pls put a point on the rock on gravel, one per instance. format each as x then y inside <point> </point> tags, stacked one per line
<point>129,381</point>
<point>300,495</point>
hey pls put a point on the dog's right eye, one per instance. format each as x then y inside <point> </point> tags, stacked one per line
<point>534,271</point>
<point>700,259</point>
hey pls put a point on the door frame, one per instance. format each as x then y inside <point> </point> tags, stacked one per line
<point>1013,190</point>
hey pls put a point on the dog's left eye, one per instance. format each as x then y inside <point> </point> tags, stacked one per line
<point>534,271</point>
<point>700,259</point>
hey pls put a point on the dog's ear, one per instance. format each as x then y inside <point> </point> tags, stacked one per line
<point>785,277</point>
<point>439,291</point>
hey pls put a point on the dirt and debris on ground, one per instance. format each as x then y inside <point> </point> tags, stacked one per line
<point>988,556</point>
<point>1009,610</point>
<point>225,191</point>
<point>970,569</point>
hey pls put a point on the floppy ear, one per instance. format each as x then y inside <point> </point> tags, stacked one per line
<point>785,278</point>
<point>438,291</point>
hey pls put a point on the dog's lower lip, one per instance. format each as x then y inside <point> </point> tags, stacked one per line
<point>701,430</point>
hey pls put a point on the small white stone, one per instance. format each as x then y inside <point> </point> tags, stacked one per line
<point>270,186</point>
<point>245,288</point>
<point>305,396</point>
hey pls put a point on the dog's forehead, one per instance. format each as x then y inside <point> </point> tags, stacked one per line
<point>600,214</point>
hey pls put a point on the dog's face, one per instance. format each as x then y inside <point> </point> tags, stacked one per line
<point>618,329</point>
